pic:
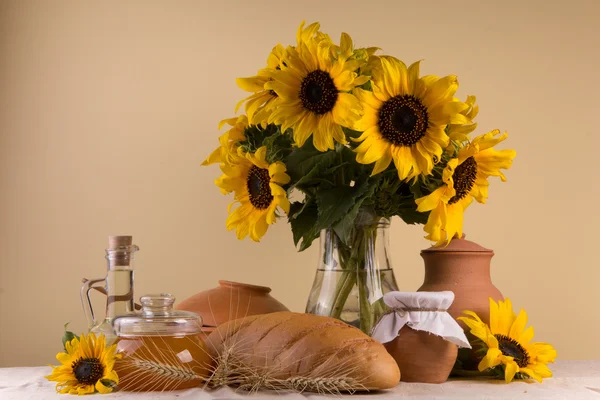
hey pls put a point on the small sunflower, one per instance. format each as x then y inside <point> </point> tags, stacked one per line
<point>228,140</point>
<point>87,366</point>
<point>313,92</point>
<point>509,343</point>
<point>464,178</point>
<point>259,105</point>
<point>347,51</point>
<point>459,133</point>
<point>405,118</point>
<point>257,187</point>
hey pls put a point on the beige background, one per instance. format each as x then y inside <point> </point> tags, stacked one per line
<point>107,109</point>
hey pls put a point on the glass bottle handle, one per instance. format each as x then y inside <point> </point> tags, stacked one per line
<point>86,301</point>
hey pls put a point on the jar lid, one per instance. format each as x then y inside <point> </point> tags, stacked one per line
<point>158,318</point>
<point>458,245</point>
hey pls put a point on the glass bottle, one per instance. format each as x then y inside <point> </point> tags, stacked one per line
<point>353,275</point>
<point>118,285</point>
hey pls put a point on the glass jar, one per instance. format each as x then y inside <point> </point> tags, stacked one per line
<point>160,344</point>
<point>353,275</point>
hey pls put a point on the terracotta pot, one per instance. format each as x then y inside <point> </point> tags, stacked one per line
<point>462,267</point>
<point>421,356</point>
<point>230,300</point>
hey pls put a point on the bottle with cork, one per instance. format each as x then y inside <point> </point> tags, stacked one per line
<point>118,286</point>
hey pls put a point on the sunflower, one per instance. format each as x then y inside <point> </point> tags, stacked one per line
<point>257,187</point>
<point>260,104</point>
<point>229,140</point>
<point>312,87</point>
<point>509,343</point>
<point>459,133</point>
<point>347,51</point>
<point>464,179</point>
<point>87,366</point>
<point>405,117</point>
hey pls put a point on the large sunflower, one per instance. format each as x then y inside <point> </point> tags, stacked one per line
<point>257,187</point>
<point>260,104</point>
<point>464,178</point>
<point>405,117</point>
<point>509,343</point>
<point>312,87</point>
<point>229,140</point>
<point>87,366</point>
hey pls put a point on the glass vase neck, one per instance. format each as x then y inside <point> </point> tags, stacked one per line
<point>367,241</point>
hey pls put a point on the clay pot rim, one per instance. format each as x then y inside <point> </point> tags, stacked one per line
<point>475,252</point>
<point>244,286</point>
<point>459,246</point>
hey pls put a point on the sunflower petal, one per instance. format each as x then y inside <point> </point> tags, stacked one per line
<point>531,374</point>
<point>491,359</point>
<point>518,327</point>
<point>506,317</point>
<point>511,369</point>
<point>101,388</point>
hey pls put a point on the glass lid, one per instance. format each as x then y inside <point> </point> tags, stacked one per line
<point>158,318</point>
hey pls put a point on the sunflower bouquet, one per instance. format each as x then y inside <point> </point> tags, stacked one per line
<point>337,137</point>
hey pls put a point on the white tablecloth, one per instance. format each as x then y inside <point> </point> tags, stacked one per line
<point>572,380</point>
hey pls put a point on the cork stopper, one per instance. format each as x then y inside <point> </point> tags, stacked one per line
<point>120,251</point>
<point>115,242</point>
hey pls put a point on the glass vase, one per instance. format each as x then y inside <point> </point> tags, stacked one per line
<point>353,274</point>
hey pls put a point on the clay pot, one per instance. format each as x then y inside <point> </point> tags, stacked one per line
<point>421,356</point>
<point>462,267</point>
<point>230,300</point>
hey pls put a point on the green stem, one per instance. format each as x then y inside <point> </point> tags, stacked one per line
<point>344,287</point>
<point>366,316</point>
<point>354,264</point>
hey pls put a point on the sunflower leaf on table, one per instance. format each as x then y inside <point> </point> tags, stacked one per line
<point>67,336</point>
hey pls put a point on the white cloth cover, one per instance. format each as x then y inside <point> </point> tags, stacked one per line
<point>415,309</point>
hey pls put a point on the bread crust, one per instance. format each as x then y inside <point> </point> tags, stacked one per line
<point>288,344</point>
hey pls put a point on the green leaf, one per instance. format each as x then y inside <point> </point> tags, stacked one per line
<point>319,173</point>
<point>278,146</point>
<point>109,383</point>
<point>343,228</point>
<point>303,219</point>
<point>412,216</point>
<point>304,159</point>
<point>67,336</point>
<point>335,203</point>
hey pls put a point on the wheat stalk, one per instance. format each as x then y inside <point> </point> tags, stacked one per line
<point>231,370</point>
<point>166,370</point>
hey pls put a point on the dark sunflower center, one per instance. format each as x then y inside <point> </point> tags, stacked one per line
<point>258,187</point>
<point>464,178</point>
<point>87,370</point>
<point>318,92</point>
<point>512,348</point>
<point>403,120</point>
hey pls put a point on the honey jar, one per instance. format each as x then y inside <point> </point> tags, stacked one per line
<point>161,348</point>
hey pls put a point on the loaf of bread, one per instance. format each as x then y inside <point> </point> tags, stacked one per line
<point>287,350</point>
